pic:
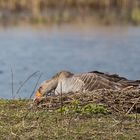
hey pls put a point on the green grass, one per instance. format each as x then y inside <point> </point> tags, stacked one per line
<point>68,123</point>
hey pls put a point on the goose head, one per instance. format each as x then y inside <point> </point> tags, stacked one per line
<point>48,86</point>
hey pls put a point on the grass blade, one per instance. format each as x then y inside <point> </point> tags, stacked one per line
<point>24,82</point>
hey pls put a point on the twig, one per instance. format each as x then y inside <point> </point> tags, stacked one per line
<point>132,106</point>
<point>136,119</point>
<point>23,83</point>
<point>12,76</point>
<point>61,97</point>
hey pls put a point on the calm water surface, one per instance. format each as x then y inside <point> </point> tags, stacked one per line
<point>73,48</point>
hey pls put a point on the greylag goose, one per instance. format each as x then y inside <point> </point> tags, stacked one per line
<point>66,82</point>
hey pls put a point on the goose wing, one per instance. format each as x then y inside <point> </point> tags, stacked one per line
<point>110,77</point>
<point>116,78</point>
<point>94,81</point>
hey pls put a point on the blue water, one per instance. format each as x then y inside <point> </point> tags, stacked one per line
<point>73,48</point>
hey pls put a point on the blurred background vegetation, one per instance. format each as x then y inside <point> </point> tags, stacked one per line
<point>54,11</point>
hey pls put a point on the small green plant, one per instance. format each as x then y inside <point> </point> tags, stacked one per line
<point>74,107</point>
<point>88,109</point>
<point>94,109</point>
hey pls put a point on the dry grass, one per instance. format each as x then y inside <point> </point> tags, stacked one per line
<point>19,121</point>
<point>120,101</point>
<point>52,11</point>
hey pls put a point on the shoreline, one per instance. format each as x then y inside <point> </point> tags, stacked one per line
<point>75,24</point>
<point>88,21</point>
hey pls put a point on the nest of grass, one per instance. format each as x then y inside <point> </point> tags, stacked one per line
<point>122,101</point>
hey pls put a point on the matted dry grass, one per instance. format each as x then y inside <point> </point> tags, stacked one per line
<point>102,114</point>
<point>121,101</point>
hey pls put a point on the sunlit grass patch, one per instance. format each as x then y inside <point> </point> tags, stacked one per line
<point>88,109</point>
<point>89,121</point>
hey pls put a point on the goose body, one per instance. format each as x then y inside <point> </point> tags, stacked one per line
<point>84,82</point>
<point>66,82</point>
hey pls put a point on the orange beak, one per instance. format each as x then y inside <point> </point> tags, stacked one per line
<point>37,95</point>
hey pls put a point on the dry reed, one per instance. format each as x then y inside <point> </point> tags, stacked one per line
<point>66,10</point>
